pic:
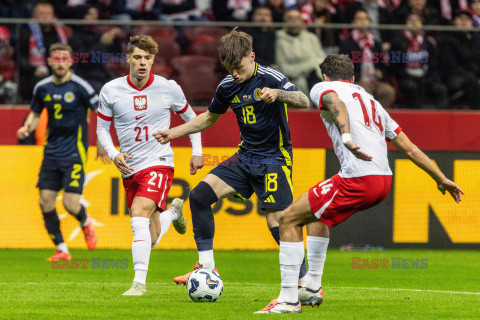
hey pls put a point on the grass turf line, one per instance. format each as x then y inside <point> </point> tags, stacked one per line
<point>30,288</point>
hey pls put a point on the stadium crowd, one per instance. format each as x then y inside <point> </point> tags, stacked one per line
<point>408,68</point>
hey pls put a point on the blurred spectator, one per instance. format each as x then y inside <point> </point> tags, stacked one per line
<point>299,52</point>
<point>429,15</point>
<point>232,10</point>
<point>417,75</point>
<point>71,9</point>
<point>475,11</point>
<point>278,8</point>
<point>289,4</point>
<point>8,89</point>
<point>263,37</point>
<point>95,38</point>
<point>368,59</point>
<point>180,10</point>
<point>460,51</point>
<point>378,15</point>
<point>320,12</point>
<point>135,9</point>
<point>448,7</point>
<point>32,53</point>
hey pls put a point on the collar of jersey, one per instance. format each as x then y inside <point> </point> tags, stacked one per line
<point>149,82</point>
<point>60,83</point>
<point>344,81</point>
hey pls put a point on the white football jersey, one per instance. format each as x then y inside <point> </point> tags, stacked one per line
<point>370,126</point>
<point>138,113</point>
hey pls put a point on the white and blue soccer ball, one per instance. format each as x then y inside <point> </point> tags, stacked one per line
<point>204,285</point>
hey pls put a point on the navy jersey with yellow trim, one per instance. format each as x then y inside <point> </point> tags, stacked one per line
<point>67,105</point>
<point>264,131</point>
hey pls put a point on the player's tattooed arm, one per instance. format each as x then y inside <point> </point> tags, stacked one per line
<point>295,99</point>
<point>338,110</point>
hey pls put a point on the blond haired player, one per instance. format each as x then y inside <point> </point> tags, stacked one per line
<point>358,126</point>
<point>139,104</point>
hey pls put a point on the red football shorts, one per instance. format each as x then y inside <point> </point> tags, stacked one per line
<point>336,199</point>
<point>152,183</point>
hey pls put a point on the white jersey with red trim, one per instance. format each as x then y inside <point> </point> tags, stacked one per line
<point>370,126</point>
<point>138,113</point>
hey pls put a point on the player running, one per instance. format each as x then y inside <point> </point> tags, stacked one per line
<point>259,97</point>
<point>67,98</point>
<point>140,104</point>
<point>358,126</point>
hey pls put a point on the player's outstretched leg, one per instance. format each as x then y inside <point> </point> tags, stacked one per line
<point>275,231</point>
<point>141,210</point>
<point>163,220</point>
<point>52,224</point>
<point>201,199</point>
<point>291,256</point>
<point>71,202</point>
<point>318,236</point>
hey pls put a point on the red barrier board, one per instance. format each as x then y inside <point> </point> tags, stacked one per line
<point>429,130</point>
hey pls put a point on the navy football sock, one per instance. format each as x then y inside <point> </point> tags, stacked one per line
<point>201,199</point>
<point>81,216</point>
<point>275,231</point>
<point>52,223</point>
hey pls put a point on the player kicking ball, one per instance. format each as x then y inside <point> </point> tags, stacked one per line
<point>259,96</point>
<point>140,104</point>
<point>358,126</point>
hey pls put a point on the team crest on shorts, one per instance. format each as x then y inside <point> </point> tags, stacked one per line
<point>69,96</point>
<point>140,103</point>
<point>257,93</point>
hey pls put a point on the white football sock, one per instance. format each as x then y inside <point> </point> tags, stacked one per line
<point>205,258</point>
<point>62,247</point>
<point>291,258</point>
<point>316,255</point>
<point>141,247</point>
<point>166,218</point>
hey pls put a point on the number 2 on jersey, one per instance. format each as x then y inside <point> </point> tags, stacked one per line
<point>376,118</point>
<point>139,132</point>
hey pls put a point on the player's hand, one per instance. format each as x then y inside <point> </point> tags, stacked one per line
<point>121,164</point>
<point>196,162</point>
<point>23,132</point>
<point>102,154</point>
<point>163,136</point>
<point>452,188</point>
<point>269,95</point>
<point>356,151</point>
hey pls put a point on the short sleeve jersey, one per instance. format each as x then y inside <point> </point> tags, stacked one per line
<point>67,105</point>
<point>138,113</point>
<point>370,126</point>
<point>264,131</point>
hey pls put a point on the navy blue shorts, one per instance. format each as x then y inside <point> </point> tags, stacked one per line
<point>271,183</point>
<point>57,174</point>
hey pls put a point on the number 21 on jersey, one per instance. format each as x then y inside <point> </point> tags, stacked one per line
<point>375,117</point>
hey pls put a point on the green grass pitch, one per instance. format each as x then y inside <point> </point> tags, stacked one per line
<point>449,288</point>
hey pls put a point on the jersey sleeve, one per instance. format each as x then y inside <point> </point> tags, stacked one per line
<point>392,129</point>
<point>89,95</point>
<point>37,102</point>
<point>105,110</point>
<point>318,91</point>
<point>179,102</point>
<point>219,104</point>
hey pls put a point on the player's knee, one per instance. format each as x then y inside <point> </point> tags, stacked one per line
<point>202,196</point>
<point>71,205</point>
<point>46,205</point>
<point>287,218</point>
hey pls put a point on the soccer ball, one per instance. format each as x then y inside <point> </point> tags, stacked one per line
<point>204,285</point>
